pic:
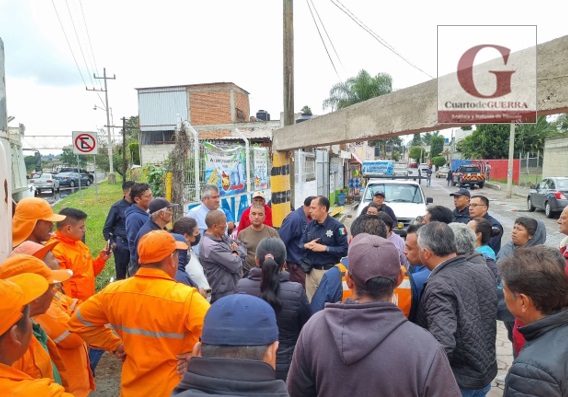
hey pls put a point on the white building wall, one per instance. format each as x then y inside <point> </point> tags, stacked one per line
<point>555,161</point>
<point>153,154</point>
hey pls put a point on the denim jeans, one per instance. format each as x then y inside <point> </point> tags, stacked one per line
<point>94,357</point>
<point>475,392</point>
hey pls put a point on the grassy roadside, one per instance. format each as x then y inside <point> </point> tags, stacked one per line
<point>97,210</point>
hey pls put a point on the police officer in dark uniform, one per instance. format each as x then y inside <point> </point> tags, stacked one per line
<point>324,242</point>
<point>115,230</point>
<point>461,203</point>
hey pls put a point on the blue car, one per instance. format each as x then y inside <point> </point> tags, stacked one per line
<point>71,179</point>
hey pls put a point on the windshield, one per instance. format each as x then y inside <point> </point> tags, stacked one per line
<point>400,166</point>
<point>470,169</point>
<point>398,193</point>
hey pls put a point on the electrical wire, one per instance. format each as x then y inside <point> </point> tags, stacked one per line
<point>323,41</point>
<point>81,49</point>
<point>328,37</point>
<point>89,39</point>
<point>383,42</point>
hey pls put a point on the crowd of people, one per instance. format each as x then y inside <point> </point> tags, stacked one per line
<point>218,307</point>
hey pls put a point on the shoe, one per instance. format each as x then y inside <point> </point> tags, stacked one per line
<point>500,380</point>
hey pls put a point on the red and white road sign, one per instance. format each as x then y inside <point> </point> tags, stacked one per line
<point>85,142</point>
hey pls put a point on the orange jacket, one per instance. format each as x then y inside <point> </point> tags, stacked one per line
<point>35,362</point>
<point>75,255</point>
<point>156,318</point>
<point>16,383</point>
<point>72,349</point>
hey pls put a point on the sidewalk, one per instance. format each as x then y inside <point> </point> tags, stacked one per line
<point>519,191</point>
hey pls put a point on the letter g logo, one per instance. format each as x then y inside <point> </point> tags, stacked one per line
<point>465,72</point>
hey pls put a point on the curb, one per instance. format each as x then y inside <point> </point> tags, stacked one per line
<point>495,186</point>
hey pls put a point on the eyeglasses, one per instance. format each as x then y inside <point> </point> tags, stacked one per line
<point>476,205</point>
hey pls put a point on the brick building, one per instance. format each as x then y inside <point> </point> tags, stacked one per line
<point>213,109</point>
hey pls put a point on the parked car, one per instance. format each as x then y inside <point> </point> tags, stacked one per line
<point>400,170</point>
<point>80,171</point>
<point>45,182</point>
<point>468,174</point>
<point>406,199</point>
<point>551,195</point>
<point>442,172</point>
<point>71,179</point>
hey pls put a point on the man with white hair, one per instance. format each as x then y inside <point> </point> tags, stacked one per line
<point>459,307</point>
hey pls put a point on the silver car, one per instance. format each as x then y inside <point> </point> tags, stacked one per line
<point>45,182</point>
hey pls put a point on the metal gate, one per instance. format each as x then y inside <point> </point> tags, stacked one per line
<point>322,172</point>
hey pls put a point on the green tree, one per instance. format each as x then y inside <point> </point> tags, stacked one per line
<point>561,123</point>
<point>389,145</point>
<point>416,153</point>
<point>69,159</point>
<point>30,162</point>
<point>358,89</point>
<point>436,145</point>
<point>416,140</point>
<point>306,110</point>
<point>530,137</point>
<point>438,161</point>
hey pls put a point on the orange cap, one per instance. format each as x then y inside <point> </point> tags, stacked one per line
<point>22,263</point>
<point>28,211</point>
<point>34,249</point>
<point>156,246</point>
<point>15,293</point>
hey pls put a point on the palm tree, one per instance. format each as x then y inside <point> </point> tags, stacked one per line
<point>358,89</point>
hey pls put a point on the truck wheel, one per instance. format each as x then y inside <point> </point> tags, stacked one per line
<point>481,185</point>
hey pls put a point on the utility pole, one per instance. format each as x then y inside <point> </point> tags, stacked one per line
<point>124,149</point>
<point>105,78</point>
<point>289,80</point>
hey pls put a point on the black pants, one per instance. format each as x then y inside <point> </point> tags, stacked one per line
<point>121,259</point>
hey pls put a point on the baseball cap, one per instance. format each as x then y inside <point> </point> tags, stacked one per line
<point>15,293</point>
<point>34,249</point>
<point>28,211</point>
<point>22,263</point>
<point>372,256</point>
<point>461,192</point>
<point>159,203</point>
<point>155,246</point>
<point>379,193</point>
<point>240,320</point>
<point>258,194</point>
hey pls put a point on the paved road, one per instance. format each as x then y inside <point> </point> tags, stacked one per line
<point>506,210</point>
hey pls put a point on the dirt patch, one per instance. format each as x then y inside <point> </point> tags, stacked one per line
<point>107,377</point>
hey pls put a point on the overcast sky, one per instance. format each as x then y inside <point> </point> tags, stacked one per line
<point>176,42</point>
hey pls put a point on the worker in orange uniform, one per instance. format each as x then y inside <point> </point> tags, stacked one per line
<point>72,348</point>
<point>73,254</point>
<point>42,359</point>
<point>33,220</point>
<point>15,335</point>
<point>158,319</point>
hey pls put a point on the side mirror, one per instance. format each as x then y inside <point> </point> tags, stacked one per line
<point>429,200</point>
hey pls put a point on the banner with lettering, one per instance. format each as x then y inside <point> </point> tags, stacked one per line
<point>225,167</point>
<point>260,156</point>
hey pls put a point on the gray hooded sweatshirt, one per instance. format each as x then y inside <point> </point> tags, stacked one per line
<point>368,349</point>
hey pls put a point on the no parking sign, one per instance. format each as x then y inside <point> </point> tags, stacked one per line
<point>85,142</point>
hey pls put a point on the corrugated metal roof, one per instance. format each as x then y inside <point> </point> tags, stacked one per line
<point>190,86</point>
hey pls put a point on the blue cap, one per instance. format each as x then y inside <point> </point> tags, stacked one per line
<point>240,320</point>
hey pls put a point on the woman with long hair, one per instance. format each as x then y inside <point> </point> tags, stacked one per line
<point>288,299</point>
<point>483,233</point>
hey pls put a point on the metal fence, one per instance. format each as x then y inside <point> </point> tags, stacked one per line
<point>190,193</point>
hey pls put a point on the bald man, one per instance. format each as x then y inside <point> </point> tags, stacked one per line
<point>222,257</point>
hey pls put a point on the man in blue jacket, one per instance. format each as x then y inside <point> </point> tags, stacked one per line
<point>290,233</point>
<point>115,230</point>
<point>136,217</point>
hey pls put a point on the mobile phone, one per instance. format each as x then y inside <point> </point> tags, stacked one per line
<point>108,248</point>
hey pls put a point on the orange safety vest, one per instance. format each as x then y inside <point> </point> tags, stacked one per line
<point>402,296</point>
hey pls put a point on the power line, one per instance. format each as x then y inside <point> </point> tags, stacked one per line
<point>89,39</point>
<point>68,43</point>
<point>383,42</point>
<point>325,30</point>
<point>323,41</point>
